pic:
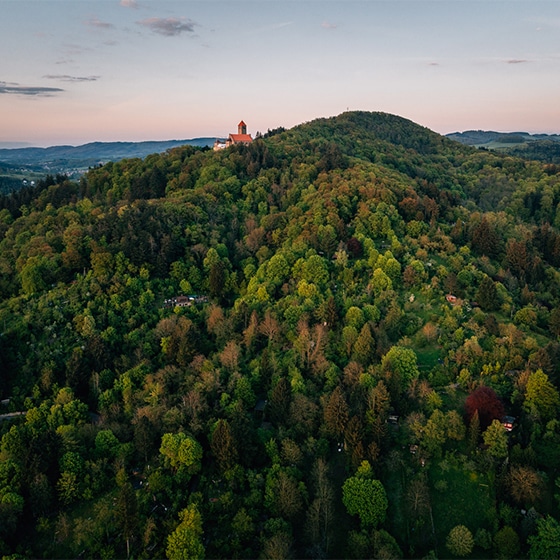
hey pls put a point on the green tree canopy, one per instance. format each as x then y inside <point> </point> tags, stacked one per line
<point>185,542</point>
<point>365,496</point>
<point>402,362</point>
<point>541,397</point>
<point>181,451</point>
<point>495,438</point>
<point>460,541</point>
<point>506,543</point>
<point>545,545</point>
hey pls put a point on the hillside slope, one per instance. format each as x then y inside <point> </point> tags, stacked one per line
<point>304,347</point>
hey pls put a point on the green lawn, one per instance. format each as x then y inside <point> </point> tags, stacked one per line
<point>460,496</point>
<point>427,357</point>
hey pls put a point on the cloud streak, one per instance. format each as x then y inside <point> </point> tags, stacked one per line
<point>168,27</point>
<point>67,78</point>
<point>129,4</point>
<point>37,91</point>
<point>96,22</point>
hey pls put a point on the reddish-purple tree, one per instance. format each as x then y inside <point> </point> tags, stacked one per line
<point>355,248</point>
<point>488,404</point>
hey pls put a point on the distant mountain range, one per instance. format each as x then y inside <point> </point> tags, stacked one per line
<point>57,159</point>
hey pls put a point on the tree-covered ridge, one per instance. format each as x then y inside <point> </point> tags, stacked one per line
<point>541,147</point>
<point>321,397</point>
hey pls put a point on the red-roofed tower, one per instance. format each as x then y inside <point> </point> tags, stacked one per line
<point>241,128</point>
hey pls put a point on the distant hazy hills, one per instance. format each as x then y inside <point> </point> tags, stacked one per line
<point>490,138</point>
<point>540,147</point>
<point>63,158</point>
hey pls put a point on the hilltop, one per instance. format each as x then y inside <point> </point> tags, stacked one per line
<point>340,340</point>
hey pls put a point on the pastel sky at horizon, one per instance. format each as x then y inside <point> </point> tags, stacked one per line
<point>77,71</point>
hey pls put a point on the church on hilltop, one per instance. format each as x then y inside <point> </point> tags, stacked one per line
<point>240,138</point>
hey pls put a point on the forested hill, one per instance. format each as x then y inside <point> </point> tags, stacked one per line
<point>305,347</point>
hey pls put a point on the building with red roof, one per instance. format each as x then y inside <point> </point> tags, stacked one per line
<point>240,138</point>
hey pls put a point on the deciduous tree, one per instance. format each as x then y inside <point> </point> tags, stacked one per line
<point>526,485</point>
<point>182,452</point>
<point>545,545</point>
<point>365,496</point>
<point>460,541</point>
<point>484,400</point>
<point>541,397</point>
<point>506,543</point>
<point>401,363</point>
<point>185,542</point>
<point>495,439</point>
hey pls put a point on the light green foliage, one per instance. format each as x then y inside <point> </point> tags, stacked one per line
<point>371,313</point>
<point>68,487</point>
<point>277,269</point>
<point>212,259</point>
<point>355,317</point>
<point>526,317</point>
<point>365,496</point>
<point>181,451</point>
<point>541,397</point>
<point>380,282</point>
<point>415,228</point>
<point>496,439</point>
<point>185,542</point>
<point>314,270</point>
<point>35,274</point>
<point>455,426</point>
<point>242,523</point>
<point>403,362</point>
<point>460,541</point>
<point>435,432</point>
<point>545,545</point>
<point>391,266</point>
<point>72,462</point>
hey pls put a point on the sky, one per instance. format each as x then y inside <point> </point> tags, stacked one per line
<point>77,71</point>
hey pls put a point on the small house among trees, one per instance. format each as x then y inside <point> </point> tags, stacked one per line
<point>508,422</point>
<point>184,301</point>
<point>453,300</point>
